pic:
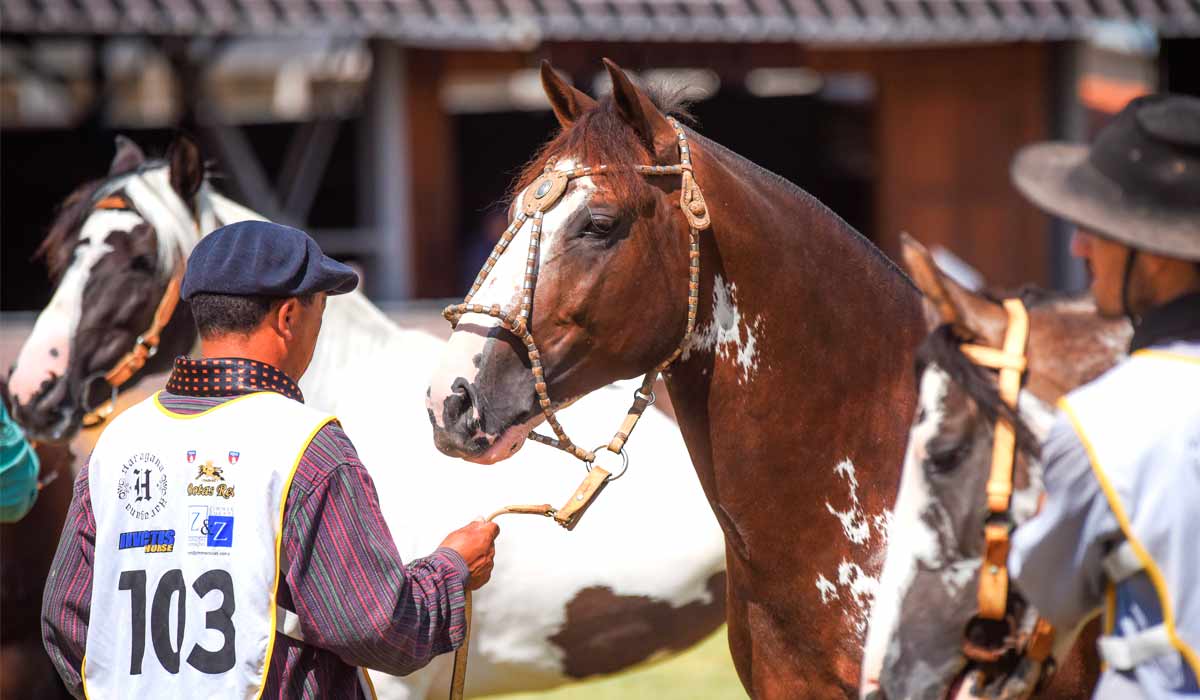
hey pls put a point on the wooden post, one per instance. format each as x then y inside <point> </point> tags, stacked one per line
<point>385,182</point>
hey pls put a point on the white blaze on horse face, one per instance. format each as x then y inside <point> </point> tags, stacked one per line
<point>46,353</point>
<point>728,334</point>
<point>505,286</point>
<point>911,540</point>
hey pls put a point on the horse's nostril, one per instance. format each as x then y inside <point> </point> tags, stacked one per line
<point>459,407</point>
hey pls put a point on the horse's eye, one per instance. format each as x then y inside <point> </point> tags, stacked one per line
<point>600,225</point>
<point>946,460</point>
<point>142,263</point>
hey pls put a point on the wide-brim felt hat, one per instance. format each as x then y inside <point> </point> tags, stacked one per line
<point>1138,184</point>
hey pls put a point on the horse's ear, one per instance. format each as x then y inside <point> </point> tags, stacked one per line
<point>567,102</point>
<point>186,168</point>
<point>639,111</point>
<point>127,158</point>
<point>972,315</point>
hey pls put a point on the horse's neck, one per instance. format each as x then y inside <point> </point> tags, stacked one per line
<point>802,352</point>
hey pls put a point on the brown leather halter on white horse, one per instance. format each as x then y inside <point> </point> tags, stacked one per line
<point>542,194</point>
<point>146,344</point>
<point>1010,362</point>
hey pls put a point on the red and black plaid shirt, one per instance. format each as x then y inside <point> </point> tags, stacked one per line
<point>358,603</point>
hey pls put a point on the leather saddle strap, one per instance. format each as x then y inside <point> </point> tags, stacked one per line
<point>1010,362</point>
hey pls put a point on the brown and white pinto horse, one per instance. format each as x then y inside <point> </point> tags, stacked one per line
<point>928,590</point>
<point>793,393</point>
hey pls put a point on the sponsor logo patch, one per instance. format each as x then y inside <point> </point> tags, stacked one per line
<point>234,456</point>
<point>150,541</point>
<point>143,486</point>
<point>191,456</point>
<point>205,482</point>
<point>209,527</point>
<point>220,531</point>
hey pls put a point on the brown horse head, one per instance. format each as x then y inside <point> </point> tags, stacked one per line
<point>111,250</point>
<point>612,271</point>
<point>928,589</point>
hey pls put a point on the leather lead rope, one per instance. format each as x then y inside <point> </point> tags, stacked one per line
<point>568,516</point>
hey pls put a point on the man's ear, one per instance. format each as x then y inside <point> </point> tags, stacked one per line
<point>973,316</point>
<point>284,318</point>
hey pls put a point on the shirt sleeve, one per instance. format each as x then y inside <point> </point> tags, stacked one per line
<point>1057,556</point>
<point>353,594</point>
<point>67,600</point>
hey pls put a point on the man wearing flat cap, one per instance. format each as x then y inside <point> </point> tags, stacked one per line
<point>224,539</point>
<point>1120,527</point>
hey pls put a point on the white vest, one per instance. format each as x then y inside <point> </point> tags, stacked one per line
<point>189,513</point>
<point>1140,424</point>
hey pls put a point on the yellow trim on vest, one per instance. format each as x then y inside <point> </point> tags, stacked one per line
<point>1156,577</point>
<point>1168,355</point>
<point>370,685</point>
<point>189,416</point>
<point>83,674</point>
<point>273,606</point>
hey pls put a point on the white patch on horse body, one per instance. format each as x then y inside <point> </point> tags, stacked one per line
<point>854,523</point>
<point>911,540</point>
<point>851,584</point>
<point>861,588</point>
<point>826,588</point>
<point>727,333</point>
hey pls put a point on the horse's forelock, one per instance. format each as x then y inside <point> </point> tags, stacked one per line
<point>64,232</point>
<point>149,190</point>
<point>601,137</point>
<point>942,347</point>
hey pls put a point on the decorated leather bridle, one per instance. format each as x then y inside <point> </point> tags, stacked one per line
<point>1010,361</point>
<point>542,194</point>
<point>146,344</point>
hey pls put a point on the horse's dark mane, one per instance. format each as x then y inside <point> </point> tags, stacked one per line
<point>65,229</point>
<point>1031,295</point>
<point>799,193</point>
<point>941,348</point>
<point>600,136</point>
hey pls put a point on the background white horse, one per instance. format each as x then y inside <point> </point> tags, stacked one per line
<point>621,589</point>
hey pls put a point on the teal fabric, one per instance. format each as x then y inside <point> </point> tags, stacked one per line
<point>18,471</point>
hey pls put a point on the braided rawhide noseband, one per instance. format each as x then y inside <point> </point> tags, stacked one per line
<point>539,197</point>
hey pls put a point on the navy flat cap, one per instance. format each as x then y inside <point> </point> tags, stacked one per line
<point>259,258</point>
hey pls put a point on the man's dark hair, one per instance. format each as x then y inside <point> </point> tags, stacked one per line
<point>223,314</point>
